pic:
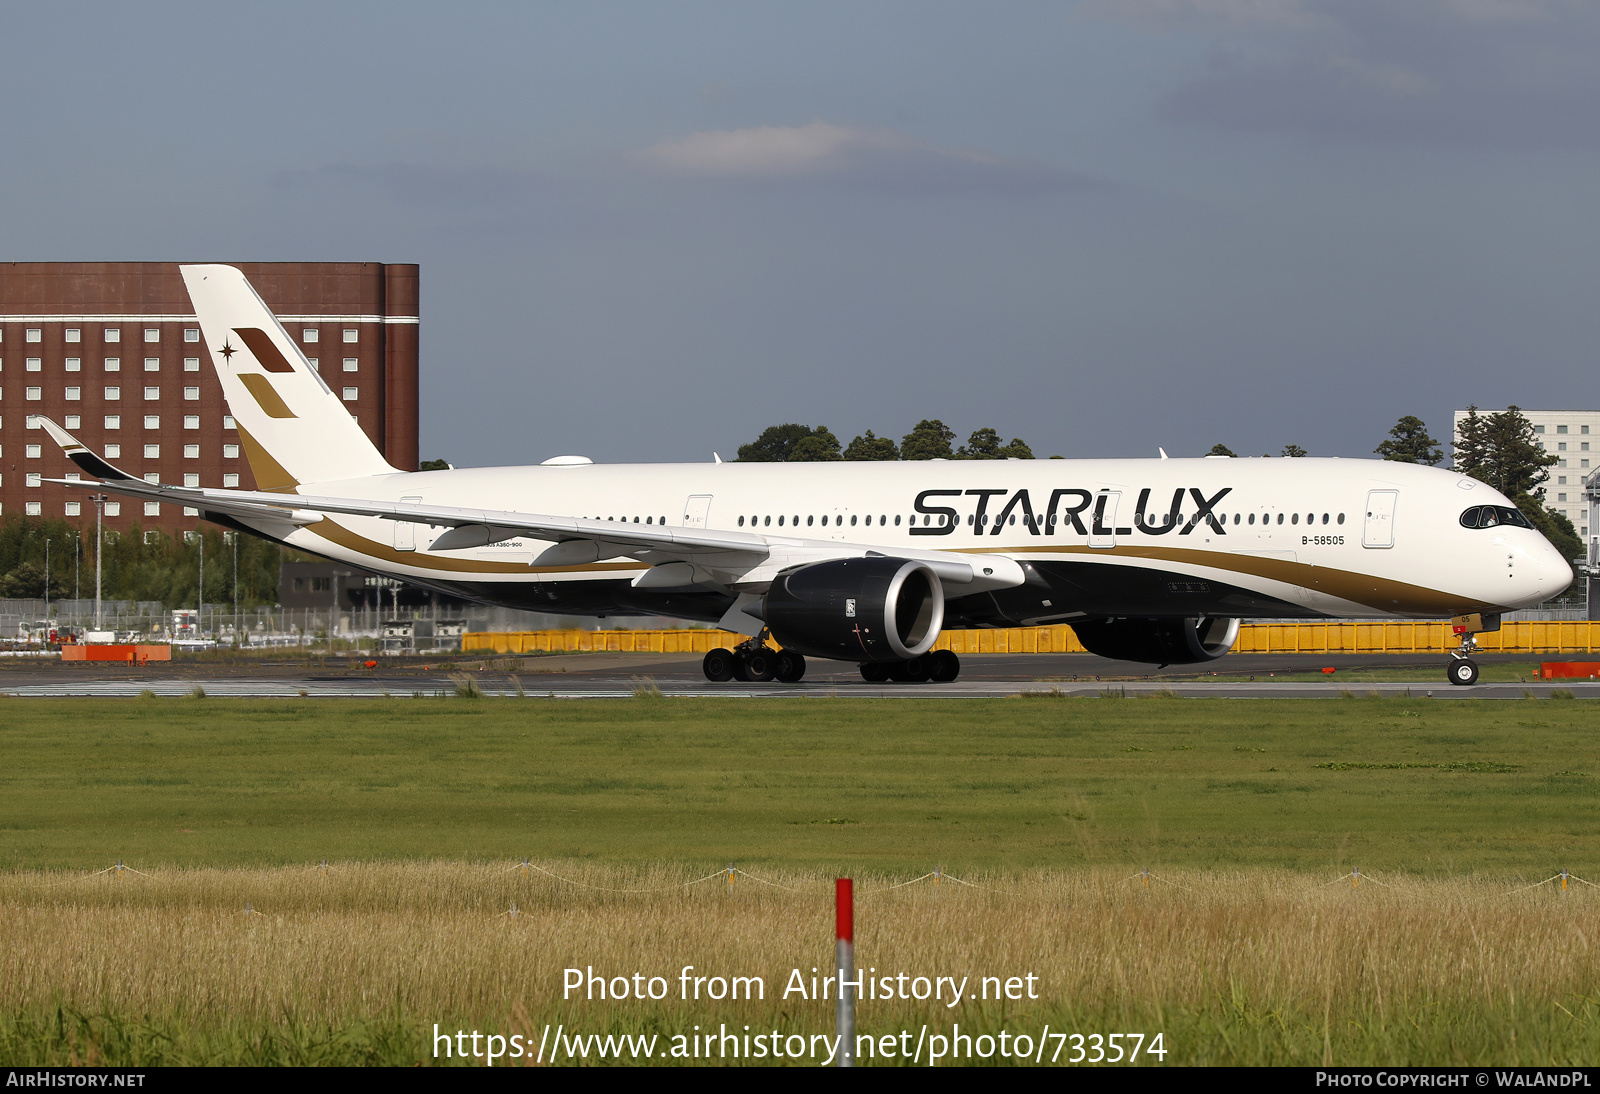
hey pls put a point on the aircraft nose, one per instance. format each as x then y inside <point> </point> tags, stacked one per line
<point>1545,572</point>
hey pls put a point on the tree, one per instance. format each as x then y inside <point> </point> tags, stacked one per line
<point>984,444</point>
<point>1294,450</point>
<point>868,447</point>
<point>435,465</point>
<point>928,440</point>
<point>1503,450</point>
<point>775,443</point>
<point>1409,442</point>
<point>1220,449</point>
<point>821,445</point>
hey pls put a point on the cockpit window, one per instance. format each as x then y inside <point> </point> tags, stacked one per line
<point>1492,516</point>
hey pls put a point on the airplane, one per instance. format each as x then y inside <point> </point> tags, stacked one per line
<point>1148,560</point>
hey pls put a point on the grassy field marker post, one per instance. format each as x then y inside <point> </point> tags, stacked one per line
<point>1355,878</point>
<point>730,877</point>
<point>844,917</point>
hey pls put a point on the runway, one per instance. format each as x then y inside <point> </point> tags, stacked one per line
<point>622,675</point>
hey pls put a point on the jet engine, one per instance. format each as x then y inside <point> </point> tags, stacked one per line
<point>1159,641</point>
<point>857,609</point>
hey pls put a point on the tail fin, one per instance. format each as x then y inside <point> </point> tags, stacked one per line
<point>294,429</point>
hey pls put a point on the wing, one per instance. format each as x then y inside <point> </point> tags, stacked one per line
<point>754,558</point>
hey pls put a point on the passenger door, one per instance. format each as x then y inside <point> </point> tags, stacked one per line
<point>1378,531</point>
<point>405,532</point>
<point>1103,529</point>
<point>696,511</point>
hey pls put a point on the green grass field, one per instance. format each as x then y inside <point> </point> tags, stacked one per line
<point>882,785</point>
<point>1246,950</point>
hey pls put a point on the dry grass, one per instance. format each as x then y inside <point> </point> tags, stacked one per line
<point>1257,967</point>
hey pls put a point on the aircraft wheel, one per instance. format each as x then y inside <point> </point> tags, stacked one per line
<point>791,666</point>
<point>874,672</point>
<point>914,671</point>
<point>1462,672</point>
<point>759,664</point>
<point>943,666</point>
<point>718,666</point>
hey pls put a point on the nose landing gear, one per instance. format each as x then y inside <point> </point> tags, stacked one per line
<point>1463,670</point>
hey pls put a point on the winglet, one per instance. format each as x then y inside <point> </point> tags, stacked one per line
<point>81,454</point>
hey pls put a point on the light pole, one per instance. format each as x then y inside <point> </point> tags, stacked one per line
<point>47,575</point>
<point>99,543</point>
<point>200,591</point>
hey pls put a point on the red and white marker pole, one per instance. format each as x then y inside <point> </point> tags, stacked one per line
<point>845,929</point>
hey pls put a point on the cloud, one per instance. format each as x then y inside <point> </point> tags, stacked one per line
<point>1461,72</point>
<point>850,156</point>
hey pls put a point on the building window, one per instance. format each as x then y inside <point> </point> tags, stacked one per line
<point>191,421</point>
<point>113,509</point>
<point>191,452</point>
<point>1561,429</point>
<point>33,509</point>
<point>152,451</point>
<point>153,478</point>
<point>1561,481</point>
<point>191,393</point>
<point>152,394</point>
<point>350,364</point>
<point>1583,446</point>
<point>231,479</point>
<point>190,511</point>
<point>74,394</point>
<point>1538,429</point>
<point>113,421</point>
<point>33,478</point>
<point>1561,463</point>
<point>309,334</point>
<point>113,451</point>
<point>74,334</point>
<point>36,335</point>
<point>350,394</point>
<point>1561,497</point>
<point>349,336</point>
<point>227,422</point>
<point>32,421</point>
<point>32,394</point>
<point>113,394</point>
<point>74,364</point>
<point>191,479</point>
<point>1561,446</point>
<point>191,364</point>
<point>191,334</point>
<point>73,421</point>
<point>113,364</point>
<point>152,509</point>
<point>152,334</point>
<point>315,365</point>
<point>152,364</point>
<point>34,451</point>
<point>230,451</point>
<point>152,421</point>
<point>74,508</point>
<point>113,334</point>
<point>34,364</point>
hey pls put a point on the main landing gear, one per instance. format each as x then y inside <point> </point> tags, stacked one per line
<point>754,661</point>
<point>1463,670</point>
<point>940,666</point>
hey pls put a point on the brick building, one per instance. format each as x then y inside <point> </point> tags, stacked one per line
<point>111,351</point>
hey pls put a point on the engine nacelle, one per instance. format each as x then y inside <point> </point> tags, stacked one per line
<point>1159,641</point>
<point>857,609</point>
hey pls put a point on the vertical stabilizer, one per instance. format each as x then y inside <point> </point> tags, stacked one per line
<point>294,429</point>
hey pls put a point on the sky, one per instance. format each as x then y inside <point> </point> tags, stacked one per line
<point>648,231</point>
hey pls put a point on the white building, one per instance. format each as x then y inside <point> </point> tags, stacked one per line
<point>1573,437</point>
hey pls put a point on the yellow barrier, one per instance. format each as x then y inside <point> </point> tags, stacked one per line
<point>1318,637</point>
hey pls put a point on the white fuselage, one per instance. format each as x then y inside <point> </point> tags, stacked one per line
<point>1251,537</point>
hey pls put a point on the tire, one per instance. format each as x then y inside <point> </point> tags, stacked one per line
<point>718,666</point>
<point>874,672</point>
<point>943,666</point>
<point>914,671</point>
<point>1462,672</point>
<point>791,666</point>
<point>760,664</point>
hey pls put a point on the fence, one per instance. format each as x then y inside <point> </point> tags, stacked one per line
<point>1318,637</point>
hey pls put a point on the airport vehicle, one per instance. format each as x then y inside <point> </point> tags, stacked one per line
<point>1152,560</point>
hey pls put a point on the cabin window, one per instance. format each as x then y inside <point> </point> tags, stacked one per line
<point>741,522</point>
<point>780,521</point>
<point>809,520</point>
<point>1341,518</point>
<point>767,521</point>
